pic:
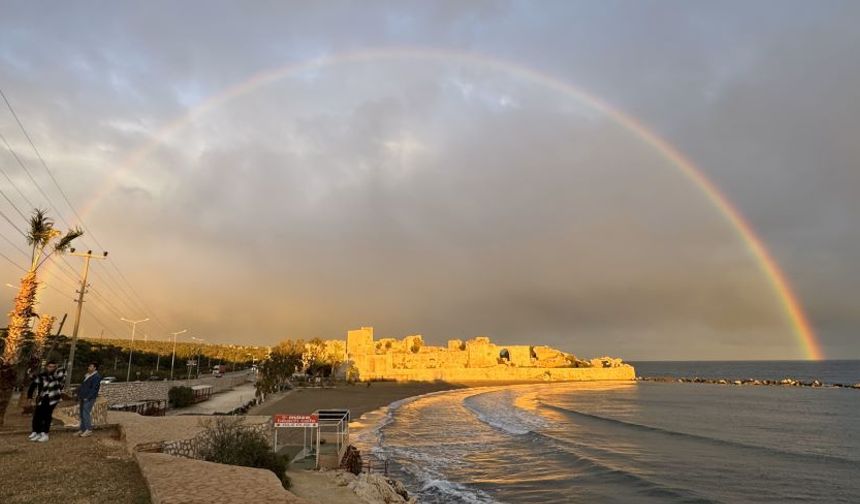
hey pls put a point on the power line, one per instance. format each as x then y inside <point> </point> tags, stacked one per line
<point>32,179</point>
<point>44,165</point>
<point>7,219</point>
<point>14,185</point>
<point>68,202</point>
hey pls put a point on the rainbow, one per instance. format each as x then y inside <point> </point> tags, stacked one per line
<point>792,308</point>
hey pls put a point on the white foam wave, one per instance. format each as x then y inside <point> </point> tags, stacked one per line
<point>497,409</point>
<point>367,431</point>
<point>455,492</point>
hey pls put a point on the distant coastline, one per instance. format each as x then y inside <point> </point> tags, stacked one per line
<point>834,373</point>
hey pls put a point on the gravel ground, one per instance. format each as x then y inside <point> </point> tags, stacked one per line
<point>69,469</point>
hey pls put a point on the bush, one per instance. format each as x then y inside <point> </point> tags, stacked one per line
<point>227,441</point>
<point>180,397</point>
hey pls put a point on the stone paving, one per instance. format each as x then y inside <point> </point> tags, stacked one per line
<point>144,431</point>
<point>223,402</point>
<point>174,480</point>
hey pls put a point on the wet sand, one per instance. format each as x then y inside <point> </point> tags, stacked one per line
<point>358,398</point>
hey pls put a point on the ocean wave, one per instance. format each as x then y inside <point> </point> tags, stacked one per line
<point>612,474</point>
<point>368,429</point>
<point>496,408</point>
<point>428,470</point>
<point>698,437</point>
<point>448,491</point>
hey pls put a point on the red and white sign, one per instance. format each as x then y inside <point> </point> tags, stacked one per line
<point>290,420</point>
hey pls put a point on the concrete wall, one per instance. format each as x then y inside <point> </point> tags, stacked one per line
<point>125,392</point>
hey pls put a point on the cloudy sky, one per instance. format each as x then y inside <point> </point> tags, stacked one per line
<point>445,189</point>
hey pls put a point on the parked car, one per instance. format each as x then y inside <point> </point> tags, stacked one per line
<point>108,379</point>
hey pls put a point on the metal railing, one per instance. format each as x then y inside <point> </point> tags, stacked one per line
<point>370,463</point>
<point>335,422</point>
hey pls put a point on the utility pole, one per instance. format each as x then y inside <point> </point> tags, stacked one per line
<point>173,357</point>
<point>131,350</point>
<point>89,255</point>
<point>199,353</point>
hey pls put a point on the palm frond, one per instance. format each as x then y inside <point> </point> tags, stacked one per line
<point>63,243</point>
<point>40,228</point>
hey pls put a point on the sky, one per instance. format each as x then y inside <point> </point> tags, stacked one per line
<point>432,182</point>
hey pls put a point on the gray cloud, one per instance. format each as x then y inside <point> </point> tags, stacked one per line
<point>455,200</point>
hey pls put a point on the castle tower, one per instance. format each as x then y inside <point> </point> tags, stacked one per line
<point>359,342</point>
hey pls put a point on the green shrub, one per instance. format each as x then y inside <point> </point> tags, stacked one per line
<point>180,397</point>
<point>227,441</point>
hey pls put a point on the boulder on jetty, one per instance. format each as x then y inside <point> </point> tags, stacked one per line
<point>789,382</point>
<point>372,487</point>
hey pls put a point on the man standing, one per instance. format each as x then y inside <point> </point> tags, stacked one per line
<point>87,395</point>
<point>48,386</point>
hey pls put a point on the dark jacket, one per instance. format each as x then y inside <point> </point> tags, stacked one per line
<point>90,387</point>
<point>48,385</point>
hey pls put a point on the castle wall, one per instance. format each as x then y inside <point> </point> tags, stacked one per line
<point>482,353</point>
<point>478,360</point>
<point>431,358</point>
<point>502,373</point>
<point>520,355</point>
<point>359,341</point>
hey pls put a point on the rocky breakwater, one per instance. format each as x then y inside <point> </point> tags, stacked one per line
<point>785,382</point>
<point>373,487</point>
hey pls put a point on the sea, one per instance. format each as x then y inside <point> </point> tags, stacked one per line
<point>635,442</point>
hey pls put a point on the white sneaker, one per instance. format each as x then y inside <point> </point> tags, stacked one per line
<point>33,436</point>
<point>43,438</point>
<point>86,433</point>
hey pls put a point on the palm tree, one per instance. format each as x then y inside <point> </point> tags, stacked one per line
<point>44,241</point>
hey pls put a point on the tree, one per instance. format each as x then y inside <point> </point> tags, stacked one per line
<point>314,357</point>
<point>276,370</point>
<point>44,241</point>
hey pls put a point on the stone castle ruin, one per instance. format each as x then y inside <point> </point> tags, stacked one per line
<point>474,360</point>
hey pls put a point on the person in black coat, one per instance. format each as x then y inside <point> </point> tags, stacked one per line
<point>47,387</point>
<point>87,395</point>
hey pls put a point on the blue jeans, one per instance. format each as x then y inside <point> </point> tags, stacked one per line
<point>86,407</point>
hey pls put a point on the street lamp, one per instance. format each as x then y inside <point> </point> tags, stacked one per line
<point>173,357</point>
<point>131,350</point>
<point>199,353</point>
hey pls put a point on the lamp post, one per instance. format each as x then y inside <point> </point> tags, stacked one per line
<point>199,353</point>
<point>173,357</point>
<point>131,350</point>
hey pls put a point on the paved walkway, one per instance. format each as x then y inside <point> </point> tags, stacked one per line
<point>177,480</point>
<point>174,480</point>
<point>223,402</point>
<point>142,430</point>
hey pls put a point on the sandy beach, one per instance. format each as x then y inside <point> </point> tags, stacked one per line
<point>359,398</point>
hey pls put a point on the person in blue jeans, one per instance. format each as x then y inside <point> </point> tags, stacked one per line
<point>87,395</point>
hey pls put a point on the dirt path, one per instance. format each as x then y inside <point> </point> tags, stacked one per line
<point>69,469</point>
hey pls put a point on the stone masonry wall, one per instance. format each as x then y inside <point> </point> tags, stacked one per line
<point>505,373</point>
<point>190,448</point>
<point>125,392</point>
<point>475,360</point>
